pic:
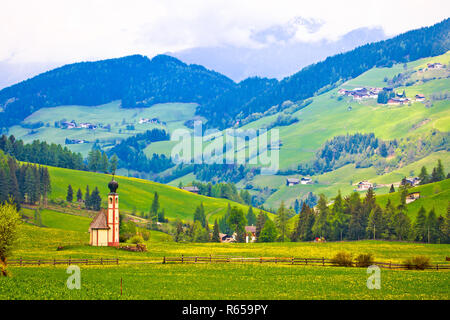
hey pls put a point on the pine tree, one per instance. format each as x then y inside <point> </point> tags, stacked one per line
<point>178,230</point>
<point>237,222</point>
<point>87,198</point>
<point>46,184</point>
<point>402,225</point>
<point>113,164</point>
<point>104,164</point>
<point>375,227</point>
<point>199,215</point>
<point>268,232</point>
<point>155,207</point>
<point>216,235</point>
<point>13,191</point>
<point>281,221</point>
<point>79,195</point>
<point>432,227</point>
<point>297,206</point>
<point>440,175</point>
<point>392,189</point>
<point>251,218</point>
<point>260,221</point>
<point>446,226</point>
<point>338,219</point>
<point>321,226</point>
<point>420,225</point>
<point>69,196</point>
<point>162,216</point>
<point>423,176</point>
<point>96,200</point>
<point>4,188</point>
<point>30,185</point>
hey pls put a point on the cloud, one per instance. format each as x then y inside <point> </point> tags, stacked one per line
<point>67,31</point>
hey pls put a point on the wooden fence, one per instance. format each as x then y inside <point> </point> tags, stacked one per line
<point>69,261</point>
<point>323,262</point>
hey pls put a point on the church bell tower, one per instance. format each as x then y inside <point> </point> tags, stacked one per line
<point>113,214</point>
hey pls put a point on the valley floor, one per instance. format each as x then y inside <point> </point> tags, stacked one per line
<point>149,279</point>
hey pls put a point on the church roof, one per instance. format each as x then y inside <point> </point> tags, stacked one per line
<point>99,222</point>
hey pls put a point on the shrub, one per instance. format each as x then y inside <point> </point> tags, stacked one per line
<point>364,260</point>
<point>343,259</point>
<point>136,239</point>
<point>418,262</point>
<point>146,235</point>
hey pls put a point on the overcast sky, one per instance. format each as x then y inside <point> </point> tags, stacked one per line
<point>68,31</point>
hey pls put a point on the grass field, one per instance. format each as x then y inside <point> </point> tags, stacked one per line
<point>219,282</point>
<point>144,277</point>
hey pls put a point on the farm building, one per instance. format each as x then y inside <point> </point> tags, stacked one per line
<point>420,97</point>
<point>413,196</point>
<point>192,189</point>
<point>226,238</point>
<point>306,180</point>
<point>292,181</point>
<point>104,228</point>
<point>251,234</point>
<point>436,65</point>
<point>364,185</point>
<point>410,181</point>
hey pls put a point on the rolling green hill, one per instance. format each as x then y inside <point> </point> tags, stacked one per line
<point>172,114</point>
<point>137,194</point>
<point>434,195</point>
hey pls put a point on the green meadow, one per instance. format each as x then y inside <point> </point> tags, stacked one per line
<point>136,195</point>
<point>210,281</point>
<point>144,277</point>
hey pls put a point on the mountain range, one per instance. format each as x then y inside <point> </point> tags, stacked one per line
<point>141,82</point>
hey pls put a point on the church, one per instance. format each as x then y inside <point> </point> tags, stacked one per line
<point>104,228</point>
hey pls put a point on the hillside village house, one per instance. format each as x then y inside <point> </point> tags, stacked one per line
<point>192,189</point>
<point>413,196</point>
<point>410,181</point>
<point>436,65</point>
<point>292,181</point>
<point>361,93</point>
<point>104,228</point>
<point>398,101</point>
<point>306,180</point>
<point>420,97</point>
<point>251,234</point>
<point>364,185</point>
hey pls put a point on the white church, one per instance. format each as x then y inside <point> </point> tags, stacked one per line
<point>104,229</point>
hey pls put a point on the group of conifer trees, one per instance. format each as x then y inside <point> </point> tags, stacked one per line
<point>92,201</point>
<point>353,218</point>
<point>23,183</point>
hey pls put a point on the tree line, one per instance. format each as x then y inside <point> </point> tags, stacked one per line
<point>222,190</point>
<point>23,183</point>
<point>41,152</point>
<point>347,218</point>
<point>130,152</point>
<point>92,201</point>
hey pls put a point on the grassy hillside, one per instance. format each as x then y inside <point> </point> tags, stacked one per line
<point>137,194</point>
<point>434,195</point>
<point>173,114</point>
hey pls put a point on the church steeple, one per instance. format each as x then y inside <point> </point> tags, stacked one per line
<point>113,213</point>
